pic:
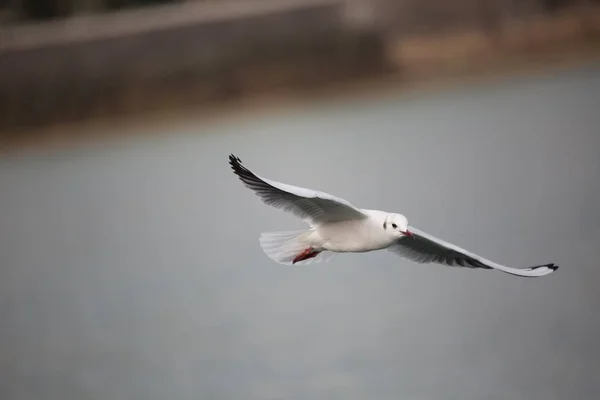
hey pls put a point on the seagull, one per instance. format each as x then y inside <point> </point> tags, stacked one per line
<point>336,226</point>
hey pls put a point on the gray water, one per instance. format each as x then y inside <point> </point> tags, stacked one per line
<point>133,270</point>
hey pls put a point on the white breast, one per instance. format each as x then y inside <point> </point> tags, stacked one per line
<point>354,236</point>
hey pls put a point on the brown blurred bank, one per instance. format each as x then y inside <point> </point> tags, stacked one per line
<point>68,61</point>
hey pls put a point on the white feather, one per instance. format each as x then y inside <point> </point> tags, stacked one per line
<point>337,226</point>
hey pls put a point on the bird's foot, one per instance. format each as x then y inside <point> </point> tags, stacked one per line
<point>305,255</point>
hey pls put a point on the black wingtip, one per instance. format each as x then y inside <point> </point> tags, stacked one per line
<point>233,160</point>
<point>240,170</point>
<point>236,164</point>
<point>551,266</point>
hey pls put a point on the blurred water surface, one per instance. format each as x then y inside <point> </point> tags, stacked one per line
<point>133,270</point>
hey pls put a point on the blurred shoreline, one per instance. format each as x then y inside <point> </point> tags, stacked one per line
<point>57,86</point>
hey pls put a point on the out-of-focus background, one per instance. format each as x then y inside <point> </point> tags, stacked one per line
<point>64,61</point>
<point>129,257</point>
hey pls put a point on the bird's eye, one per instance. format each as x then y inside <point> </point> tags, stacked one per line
<point>394,226</point>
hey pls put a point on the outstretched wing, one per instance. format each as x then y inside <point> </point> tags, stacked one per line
<point>311,206</point>
<point>425,248</point>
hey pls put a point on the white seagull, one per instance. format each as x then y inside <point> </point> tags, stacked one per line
<point>336,226</point>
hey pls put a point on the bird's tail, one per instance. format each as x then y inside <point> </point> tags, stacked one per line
<point>285,247</point>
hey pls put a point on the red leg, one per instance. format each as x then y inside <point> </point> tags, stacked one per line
<point>305,255</point>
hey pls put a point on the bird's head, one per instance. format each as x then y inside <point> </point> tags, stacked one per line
<point>397,225</point>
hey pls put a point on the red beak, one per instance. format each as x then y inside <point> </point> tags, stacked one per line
<point>409,233</point>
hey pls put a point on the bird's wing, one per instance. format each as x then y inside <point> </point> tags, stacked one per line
<point>425,248</point>
<point>310,205</point>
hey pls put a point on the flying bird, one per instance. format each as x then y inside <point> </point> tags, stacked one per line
<point>336,226</point>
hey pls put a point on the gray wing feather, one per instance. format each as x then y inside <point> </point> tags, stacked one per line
<point>309,205</point>
<point>425,248</point>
